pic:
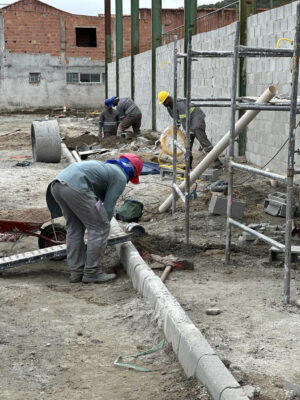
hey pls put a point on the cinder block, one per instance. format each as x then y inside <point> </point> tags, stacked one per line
<point>213,374</point>
<point>218,205</point>
<point>210,175</point>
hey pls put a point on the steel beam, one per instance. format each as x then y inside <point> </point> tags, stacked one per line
<point>119,40</point>
<point>244,12</point>
<point>107,42</point>
<point>190,22</point>
<point>135,38</point>
<point>156,42</point>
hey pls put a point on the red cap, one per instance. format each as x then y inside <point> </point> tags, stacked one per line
<point>137,162</point>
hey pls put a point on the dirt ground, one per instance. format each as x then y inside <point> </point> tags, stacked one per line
<point>59,339</point>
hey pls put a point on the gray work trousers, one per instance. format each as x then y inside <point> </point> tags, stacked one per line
<point>128,121</point>
<point>200,134</point>
<point>81,213</point>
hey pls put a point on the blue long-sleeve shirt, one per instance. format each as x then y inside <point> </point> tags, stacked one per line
<point>105,182</point>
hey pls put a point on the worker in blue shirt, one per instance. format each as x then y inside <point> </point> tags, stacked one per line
<point>86,194</point>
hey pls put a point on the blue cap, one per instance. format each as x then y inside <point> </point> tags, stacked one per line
<point>108,103</point>
<point>113,98</point>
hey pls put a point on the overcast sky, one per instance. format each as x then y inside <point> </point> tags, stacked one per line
<point>95,7</point>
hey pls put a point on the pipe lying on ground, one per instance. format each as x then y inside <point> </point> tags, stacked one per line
<point>76,156</point>
<point>66,152</point>
<point>222,144</point>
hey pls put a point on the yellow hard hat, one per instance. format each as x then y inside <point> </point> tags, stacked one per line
<point>162,96</point>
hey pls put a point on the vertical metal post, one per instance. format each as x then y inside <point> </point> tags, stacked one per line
<point>188,144</point>
<point>175,66</point>
<point>156,41</point>
<point>242,65</point>
<point>119,41</point>
<point>107,43</point>
<point>291,153</point>
<point>135,38</point>
<point>190,20</point>
<point>231,143</point>
<point>223,17</point>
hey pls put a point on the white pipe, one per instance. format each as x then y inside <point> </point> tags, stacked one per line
<point>222,144</point>
<point>66,152</point>
<point>76,156</point>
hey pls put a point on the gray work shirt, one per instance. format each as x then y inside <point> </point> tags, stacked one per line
<point>109,121</point>
<point>126,107</point>
<point>105,182</point>
<point>197,115</point>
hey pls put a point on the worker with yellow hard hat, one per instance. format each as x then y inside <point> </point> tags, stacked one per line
<point>197,125</point>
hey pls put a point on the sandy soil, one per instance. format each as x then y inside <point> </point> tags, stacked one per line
<point>58,339</point>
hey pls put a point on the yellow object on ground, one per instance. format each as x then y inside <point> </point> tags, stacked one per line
<point>162,96</point>
<point>166,141</point>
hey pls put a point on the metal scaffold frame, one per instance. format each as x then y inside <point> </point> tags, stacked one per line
<point>237,103</point>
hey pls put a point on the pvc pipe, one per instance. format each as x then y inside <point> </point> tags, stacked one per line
<point>76,156</point>
<point>66,152</point>
<point>222,144</point>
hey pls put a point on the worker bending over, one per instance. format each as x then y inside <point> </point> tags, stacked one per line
<point>129,114</point>
<point>109,120</point>
<point>85,193</point>
<point>197,124</point>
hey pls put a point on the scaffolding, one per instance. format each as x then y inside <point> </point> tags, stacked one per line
<point>238,103</point>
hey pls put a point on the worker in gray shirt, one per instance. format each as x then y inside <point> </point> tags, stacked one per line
<point>197,126</point>
<point>85,193</point>
<point>109,120</point>
<point>129,114</point>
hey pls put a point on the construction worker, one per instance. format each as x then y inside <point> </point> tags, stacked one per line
<point>85,193</point>
<point>129,114</point>
<point>197,124</point>
<point>109,120</point>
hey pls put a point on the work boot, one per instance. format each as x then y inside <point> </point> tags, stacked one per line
<point>76,276</point>
<point>100,277</point>
<point>217,163</point>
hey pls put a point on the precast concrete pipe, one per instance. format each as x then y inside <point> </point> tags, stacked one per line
<point>46,141</point>
<point>222,144</point>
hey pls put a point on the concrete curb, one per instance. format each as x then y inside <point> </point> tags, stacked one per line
<point>195,354</point>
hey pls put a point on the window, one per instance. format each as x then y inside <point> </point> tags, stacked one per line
<point>72,77</point>
<point>75,77</point>
<point>34,77</point>
<point>86,37</point>
<point>90,78</point>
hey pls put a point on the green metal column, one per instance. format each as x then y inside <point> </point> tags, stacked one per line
<point>244,12</point>
<point>107,43</point>
<point>190,22</point>
<point>119,40</point>
<point>135,38</point>
<point>156,42</point>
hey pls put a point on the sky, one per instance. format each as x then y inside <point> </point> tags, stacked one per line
<point>95,7</point>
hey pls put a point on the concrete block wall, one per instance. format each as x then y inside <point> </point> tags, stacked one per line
<point>269,130</point>
<point>211,77</point>
<point>143,78</point>
<point>165,80</point>
<point>111,77</point>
